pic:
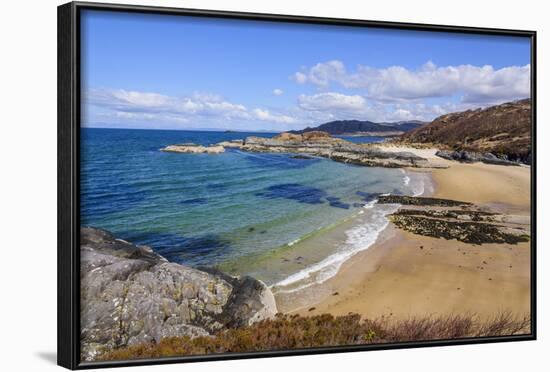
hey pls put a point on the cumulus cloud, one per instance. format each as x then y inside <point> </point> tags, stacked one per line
<point>331,101</point>
<point>332,106</point>
<point>278,92</point>
<point>121,100</point>
<point>265,115</point>
<point>322,73</point>
<point>146,106</point>
<point>475,84</point>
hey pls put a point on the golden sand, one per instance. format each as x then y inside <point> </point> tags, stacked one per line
<point>405,275</point>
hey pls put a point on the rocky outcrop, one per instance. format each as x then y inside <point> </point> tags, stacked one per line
<point>321,144</point>
<point>335,149</point>
<point>288,137</point>
<point>191,148</point>
<point>315,135</point>
<point>132,295</point>
<point>234,144</point>
<point>306,136</point>
<point>439,218</point>
<point>472,157</point>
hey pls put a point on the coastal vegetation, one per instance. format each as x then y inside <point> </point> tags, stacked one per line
<point>286,332</point>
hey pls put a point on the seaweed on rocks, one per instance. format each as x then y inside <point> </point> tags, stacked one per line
<point>467,225</point>
<point>459,214</point>
<point>440,218</point>
<point>467,232</point>
<point>420,201</point>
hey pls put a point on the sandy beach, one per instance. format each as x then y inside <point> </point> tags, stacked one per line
<point>404,275</point>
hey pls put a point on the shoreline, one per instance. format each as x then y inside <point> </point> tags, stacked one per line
<point>346,238</point>
<point>402,275</point>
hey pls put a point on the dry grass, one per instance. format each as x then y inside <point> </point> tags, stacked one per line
<point>295,332</point>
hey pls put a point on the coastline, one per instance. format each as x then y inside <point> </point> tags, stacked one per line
<point>403,275</point>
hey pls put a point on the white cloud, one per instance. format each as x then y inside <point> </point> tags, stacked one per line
<point>322,73</point>
<point>475,84</point>
<point>328,106</point>
<point>278,92</point>
<point>300,78</point>
<point>265,115</point>
<point>133,101</point>
<point>198,109</point>
<point>331,101</point>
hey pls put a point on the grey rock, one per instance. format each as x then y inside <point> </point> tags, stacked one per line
<point>325,146</point>
<point>132,295</point>
<point>472,157</point>
<point>338,150</point>
<point>191,148</point>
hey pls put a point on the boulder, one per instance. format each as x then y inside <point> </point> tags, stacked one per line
<point>132,295</point>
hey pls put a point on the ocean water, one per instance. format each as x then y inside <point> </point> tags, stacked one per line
<point>267,215</point>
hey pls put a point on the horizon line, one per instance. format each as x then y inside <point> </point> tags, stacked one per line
<point>189,130</point>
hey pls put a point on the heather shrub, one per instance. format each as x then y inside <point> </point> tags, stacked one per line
<point>297,332</point>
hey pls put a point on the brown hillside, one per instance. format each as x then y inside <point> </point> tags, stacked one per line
<point>504,130</point>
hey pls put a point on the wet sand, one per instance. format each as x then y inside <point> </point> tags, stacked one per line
<point>404,275</point>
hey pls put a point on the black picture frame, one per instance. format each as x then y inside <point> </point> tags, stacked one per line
<point>69,98</point>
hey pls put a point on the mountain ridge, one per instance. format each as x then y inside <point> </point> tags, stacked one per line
<point>355,127</point>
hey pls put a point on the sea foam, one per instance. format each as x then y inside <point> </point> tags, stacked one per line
<point>358,238</point>
<point>371,221</point>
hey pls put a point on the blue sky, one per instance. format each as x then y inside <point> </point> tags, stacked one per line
<point>157,71</point>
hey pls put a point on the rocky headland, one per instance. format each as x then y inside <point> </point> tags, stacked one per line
<point>498,134</point>
<point>321,144</point>
<point>131,295</point>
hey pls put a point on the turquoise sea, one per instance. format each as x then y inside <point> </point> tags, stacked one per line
<point>245,212</point>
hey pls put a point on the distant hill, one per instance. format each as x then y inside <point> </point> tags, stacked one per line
<point>360,127</point>
<point>504,130</point>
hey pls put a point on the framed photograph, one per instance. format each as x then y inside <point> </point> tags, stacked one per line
<point>237,185</point>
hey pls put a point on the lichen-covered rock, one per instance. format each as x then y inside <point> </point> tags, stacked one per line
<point>131,295</point>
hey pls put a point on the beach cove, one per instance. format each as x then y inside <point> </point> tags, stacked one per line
<point>403,275</point>
<point>302,214</point>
